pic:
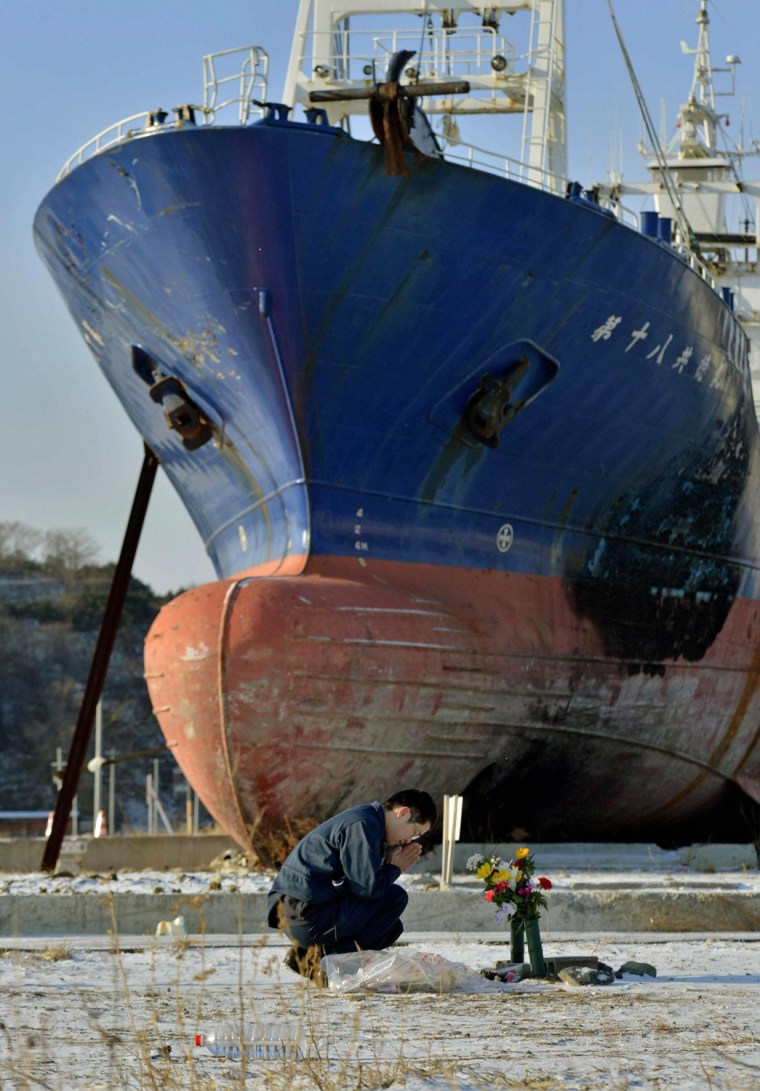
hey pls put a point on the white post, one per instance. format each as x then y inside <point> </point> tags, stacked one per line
<point>98,764</point>
<point>58,766</point>
<point>149,801</point>
<point>452,824</point>
<point>112,794</point>
<point>58,778</point>
<point>154,788</point>
<point>159,810</point>
<point>188,808</point>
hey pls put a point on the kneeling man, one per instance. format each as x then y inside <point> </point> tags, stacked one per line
<point>337,890</point>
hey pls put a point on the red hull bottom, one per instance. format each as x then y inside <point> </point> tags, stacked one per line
<point>288,698</point>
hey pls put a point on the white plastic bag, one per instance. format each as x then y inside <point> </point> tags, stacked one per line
<point>401,971</point>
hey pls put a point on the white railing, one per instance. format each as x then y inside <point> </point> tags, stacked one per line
<point>247,84</point>
<point>502,165</point>
<point>505,167</point>
<point>114,134</point>
<point>437,54</point>
<point>517,171</point>
<point>465,56</point>
<point>698,266</point>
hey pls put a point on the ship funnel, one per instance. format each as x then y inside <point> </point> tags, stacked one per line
<point>664,229</point>
<point>649,224</point>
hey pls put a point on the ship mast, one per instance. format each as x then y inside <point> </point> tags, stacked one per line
<point>697,116</point>
<point>702,174</point>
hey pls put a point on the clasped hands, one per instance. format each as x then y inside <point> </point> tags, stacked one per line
<point>403,856</point>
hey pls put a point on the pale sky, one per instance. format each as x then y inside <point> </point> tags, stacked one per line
<point>69,457</point>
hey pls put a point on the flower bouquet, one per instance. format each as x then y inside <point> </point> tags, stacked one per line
<point>519,897</point>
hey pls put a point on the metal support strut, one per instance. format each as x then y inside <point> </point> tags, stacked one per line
<point>100,659</point>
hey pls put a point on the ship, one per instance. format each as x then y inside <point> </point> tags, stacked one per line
<point>472,446</point>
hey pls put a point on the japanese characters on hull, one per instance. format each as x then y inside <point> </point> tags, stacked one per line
<point>668,352</point>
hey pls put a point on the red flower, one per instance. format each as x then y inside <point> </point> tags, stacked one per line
<point>488,896</point>
<point>544,883</point>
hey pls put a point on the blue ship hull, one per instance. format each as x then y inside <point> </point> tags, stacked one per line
<point>449,375</point>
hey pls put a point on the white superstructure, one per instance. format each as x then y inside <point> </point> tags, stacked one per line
<point>345,46</point>
<point>697,183</point>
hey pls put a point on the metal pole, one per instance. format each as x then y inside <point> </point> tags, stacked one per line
<point>112,795</point>
<point>58,766</point>
<point>155,781</point>
<point>154,786</point>
<point>149,800</point>
<point>159,812</point>
<point>98,765</point>
<point>188,807</point>
<point>99,666</point>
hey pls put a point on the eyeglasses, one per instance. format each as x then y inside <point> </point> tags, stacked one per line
<point>418,832</point>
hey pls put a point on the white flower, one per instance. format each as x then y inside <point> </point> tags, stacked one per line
<point>474,862</point>
<point>505,913</point>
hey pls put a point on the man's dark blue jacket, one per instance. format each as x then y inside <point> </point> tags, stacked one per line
<point>342,857</point>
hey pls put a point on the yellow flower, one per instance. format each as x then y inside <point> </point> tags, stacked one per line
<point>502,876</point>
<point>522,853</point>
<point>484,870</point>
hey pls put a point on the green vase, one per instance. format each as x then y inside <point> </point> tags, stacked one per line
<point>516,941</point>
<point>535,948</point>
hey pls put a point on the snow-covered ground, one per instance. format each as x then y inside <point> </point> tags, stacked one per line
<point>122,1012</point>
<point>138,882</point>
<point>572,870</point>
<point>124,1015</point>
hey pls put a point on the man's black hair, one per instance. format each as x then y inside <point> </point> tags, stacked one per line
<point>421,805</point>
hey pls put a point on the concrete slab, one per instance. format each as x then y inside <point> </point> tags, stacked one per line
<point>82,854</point>
<point>728,909</point>
<point>597,888</point>
<point>277,942</point>
<point>605,856</point>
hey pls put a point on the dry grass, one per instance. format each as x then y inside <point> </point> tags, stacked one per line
<point>55,952</point>
<point>275,845</point>
<point>116,1036</point>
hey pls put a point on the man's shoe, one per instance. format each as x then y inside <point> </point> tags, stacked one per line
<point>293,958</point>
<point>305,961</point>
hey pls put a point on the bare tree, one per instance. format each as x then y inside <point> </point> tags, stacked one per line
<point>69,550</point>
<point>18,539</point>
